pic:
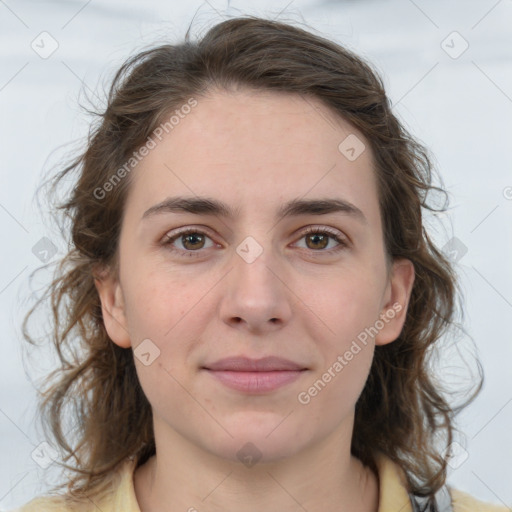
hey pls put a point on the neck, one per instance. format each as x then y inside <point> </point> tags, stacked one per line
<point>183,477</point>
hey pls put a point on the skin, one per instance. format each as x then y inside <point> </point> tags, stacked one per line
<point>298,300</point>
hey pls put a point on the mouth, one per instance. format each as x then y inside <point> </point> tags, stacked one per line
<point>246,364</point>
<point>255,376</point>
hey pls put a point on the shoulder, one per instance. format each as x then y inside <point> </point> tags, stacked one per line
<point>46,504</point>
<point>119,496</point>
<point>464,502</point>
<point>393,494</point>
<point>58,504</point>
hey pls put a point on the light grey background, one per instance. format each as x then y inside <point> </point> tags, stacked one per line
<point>458,104</point>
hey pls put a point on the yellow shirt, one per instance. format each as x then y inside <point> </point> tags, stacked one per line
<point>393,495</point>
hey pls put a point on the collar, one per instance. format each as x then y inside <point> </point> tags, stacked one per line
<point>393,495</point>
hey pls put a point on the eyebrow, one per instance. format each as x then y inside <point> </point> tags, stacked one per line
<point>208,206</point>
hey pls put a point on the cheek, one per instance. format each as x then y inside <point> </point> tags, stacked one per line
<point>346,304</point>
<point>344,312</point>
<point>164,309</point>
<point>159,303</point>
<point>346,351</point>
<point>163,336</point>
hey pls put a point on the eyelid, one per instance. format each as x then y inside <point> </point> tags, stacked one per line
<point>320,228</point>
<point>197,228</point>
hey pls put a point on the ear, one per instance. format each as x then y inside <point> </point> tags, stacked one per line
<point>112,307</point>
<point>397,297</point>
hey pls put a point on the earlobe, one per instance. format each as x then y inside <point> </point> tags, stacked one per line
<point>394,311</point>
<point>112,308</point>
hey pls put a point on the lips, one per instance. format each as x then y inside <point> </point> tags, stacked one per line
<point>255,376</point>
<point>245,364</point>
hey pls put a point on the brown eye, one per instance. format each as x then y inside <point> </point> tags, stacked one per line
<point>188,242</point>
<point>193,241</point>
<point>318,241</point>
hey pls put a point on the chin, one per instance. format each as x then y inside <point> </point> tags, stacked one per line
<point>259,440</point>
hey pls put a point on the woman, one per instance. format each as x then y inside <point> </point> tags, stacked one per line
<point>252,295</point>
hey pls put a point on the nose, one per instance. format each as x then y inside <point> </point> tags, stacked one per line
<point>255,294</point>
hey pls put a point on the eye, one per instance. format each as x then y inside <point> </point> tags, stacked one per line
<point>317,239</point>
<point>191,240</point>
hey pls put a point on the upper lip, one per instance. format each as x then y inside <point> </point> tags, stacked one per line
<point>245,364</point>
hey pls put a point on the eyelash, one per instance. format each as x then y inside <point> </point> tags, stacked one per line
<point>342,243</point>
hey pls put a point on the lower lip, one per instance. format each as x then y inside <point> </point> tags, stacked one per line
<point>256,382</point>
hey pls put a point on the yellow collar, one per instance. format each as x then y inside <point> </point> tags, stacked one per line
<point>393,496</point>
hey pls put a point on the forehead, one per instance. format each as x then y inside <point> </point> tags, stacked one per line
<point>253,149</point>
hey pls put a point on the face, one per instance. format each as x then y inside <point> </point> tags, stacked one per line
<point>309,284</point>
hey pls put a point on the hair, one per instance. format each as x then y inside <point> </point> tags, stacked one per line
<point>402,410</point>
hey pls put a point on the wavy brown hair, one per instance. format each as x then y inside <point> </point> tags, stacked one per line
<point>402,411</point>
